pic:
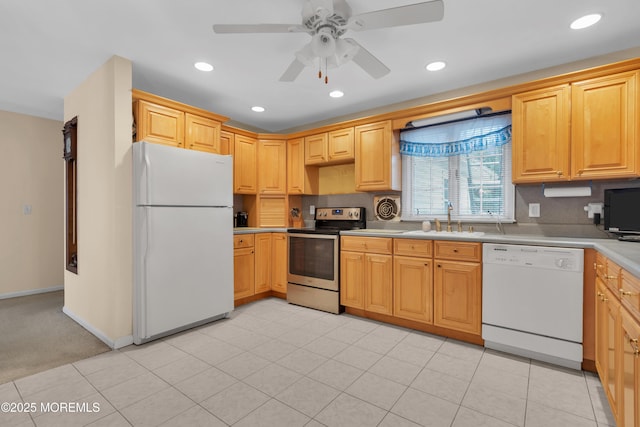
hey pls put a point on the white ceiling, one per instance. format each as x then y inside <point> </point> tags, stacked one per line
<point>47,48</point>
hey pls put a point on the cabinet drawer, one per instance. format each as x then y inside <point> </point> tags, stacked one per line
<point>629,292</point>
<point>378,245</point>
<point>613,276</point>
<point>243,241</point>
<point>413,247</point>
<point>463,251</point>
<point>601,266</point>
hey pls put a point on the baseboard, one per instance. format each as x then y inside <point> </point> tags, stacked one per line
<point>118,343</point>
<point>31,292</point>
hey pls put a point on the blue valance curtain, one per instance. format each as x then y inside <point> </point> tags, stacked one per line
<point>452,139</point>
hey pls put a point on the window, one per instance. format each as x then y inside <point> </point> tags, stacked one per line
<point>466,164</point>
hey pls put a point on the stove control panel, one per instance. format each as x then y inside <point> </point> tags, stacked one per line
<point>339,214</point>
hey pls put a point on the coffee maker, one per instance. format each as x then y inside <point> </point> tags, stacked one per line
<point>242,219</point>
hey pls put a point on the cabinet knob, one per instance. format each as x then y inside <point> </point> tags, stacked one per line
<point>559,173</point>
<point>626,293</point>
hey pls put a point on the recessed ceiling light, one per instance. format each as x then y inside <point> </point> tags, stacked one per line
<point>257,109</point>
<point>336,94</point>
<point>585,21</point>
<point>436,66</point>
<point>203,66</point>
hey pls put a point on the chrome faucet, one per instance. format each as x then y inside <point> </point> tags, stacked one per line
<point>449,209</point>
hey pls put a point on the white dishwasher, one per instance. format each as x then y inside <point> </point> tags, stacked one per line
<point>532,302</point>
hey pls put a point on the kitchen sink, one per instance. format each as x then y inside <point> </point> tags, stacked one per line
<point>444,233</point>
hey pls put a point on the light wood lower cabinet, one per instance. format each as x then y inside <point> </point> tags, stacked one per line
<point>406,282</point>
<point>457,293</point>
<point>260,264</point>
<point>378,289</point>
<point>263,262</point>
<point>617,342</point>
<point>366,276</point>
<point>413,288</point>
<point>243,266</point>
<point>279,262</point>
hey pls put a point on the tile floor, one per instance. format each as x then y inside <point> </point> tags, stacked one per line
<point>275,364</point>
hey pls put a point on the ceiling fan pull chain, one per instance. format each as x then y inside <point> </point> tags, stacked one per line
<point>319,68</point>
<point>326,72</point>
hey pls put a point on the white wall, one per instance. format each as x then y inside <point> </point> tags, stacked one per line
<point>99,297</point>
<point>31,165</point>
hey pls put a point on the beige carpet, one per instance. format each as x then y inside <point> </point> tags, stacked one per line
<point>35,335</point>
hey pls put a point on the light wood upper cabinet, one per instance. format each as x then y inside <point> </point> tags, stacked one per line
<point>316,149</point>
<point>377,158</point>
<point>604,127</point>
<point>540,135</point>
<point>300,179</point>
<point>168,122</point>
<point>583,130</point>
<point>159,124</point>
<point>245,164</point>
<point>226,142</point>
<point>203,134</point>
<point>341,146</point>
<point>272,167</point>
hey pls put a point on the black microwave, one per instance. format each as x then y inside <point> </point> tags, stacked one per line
<point>622,210</point>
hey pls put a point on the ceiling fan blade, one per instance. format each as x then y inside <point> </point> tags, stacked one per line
<point>293,71</point>
<point>418,13</point>
<point>369,63</point>
<point>258,28</point>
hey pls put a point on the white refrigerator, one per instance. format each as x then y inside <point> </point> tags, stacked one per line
<point>183,239</point>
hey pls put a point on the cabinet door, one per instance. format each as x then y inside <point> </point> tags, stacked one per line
<point>202,134</point>
<point>272,167</point>
<point>226,142</point>
<point>341,146</point>
<point>541,135</point>
<point>159,124</point>
<point>377,158</point>
<point>243,272</point>
<point>613,350</point>
<point>272,211</point>
<point>378,291</point>
<point>601,330</point>
<point>604,127</point>
<point>295,166</point>
<point>413,288</point>
<point>352,279</point>
<point>315,149</point>
<point>457,296</point>
<point>244,165</point>
<point>279,262</point>
<point>263,262</point>
<point>630,399</point>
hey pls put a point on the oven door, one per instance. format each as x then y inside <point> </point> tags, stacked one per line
<point>313,260</point>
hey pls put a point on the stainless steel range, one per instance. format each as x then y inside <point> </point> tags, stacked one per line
<point>313,273</point>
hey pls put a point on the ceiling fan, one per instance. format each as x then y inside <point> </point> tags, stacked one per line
<point>327,20</point>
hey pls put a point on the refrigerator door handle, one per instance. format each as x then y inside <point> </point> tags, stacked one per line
<point>147,166</point>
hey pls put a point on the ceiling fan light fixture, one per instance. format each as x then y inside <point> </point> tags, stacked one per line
<point>323,44</point>
<point>203,66</point>
<point>336,94</point>
<point>257,109</point>
<point>586,21</point>
<point>436,66</point>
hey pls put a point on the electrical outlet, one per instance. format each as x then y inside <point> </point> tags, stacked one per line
<point>312,210</point>
<point>26,209</point>
<point>534,210</point>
